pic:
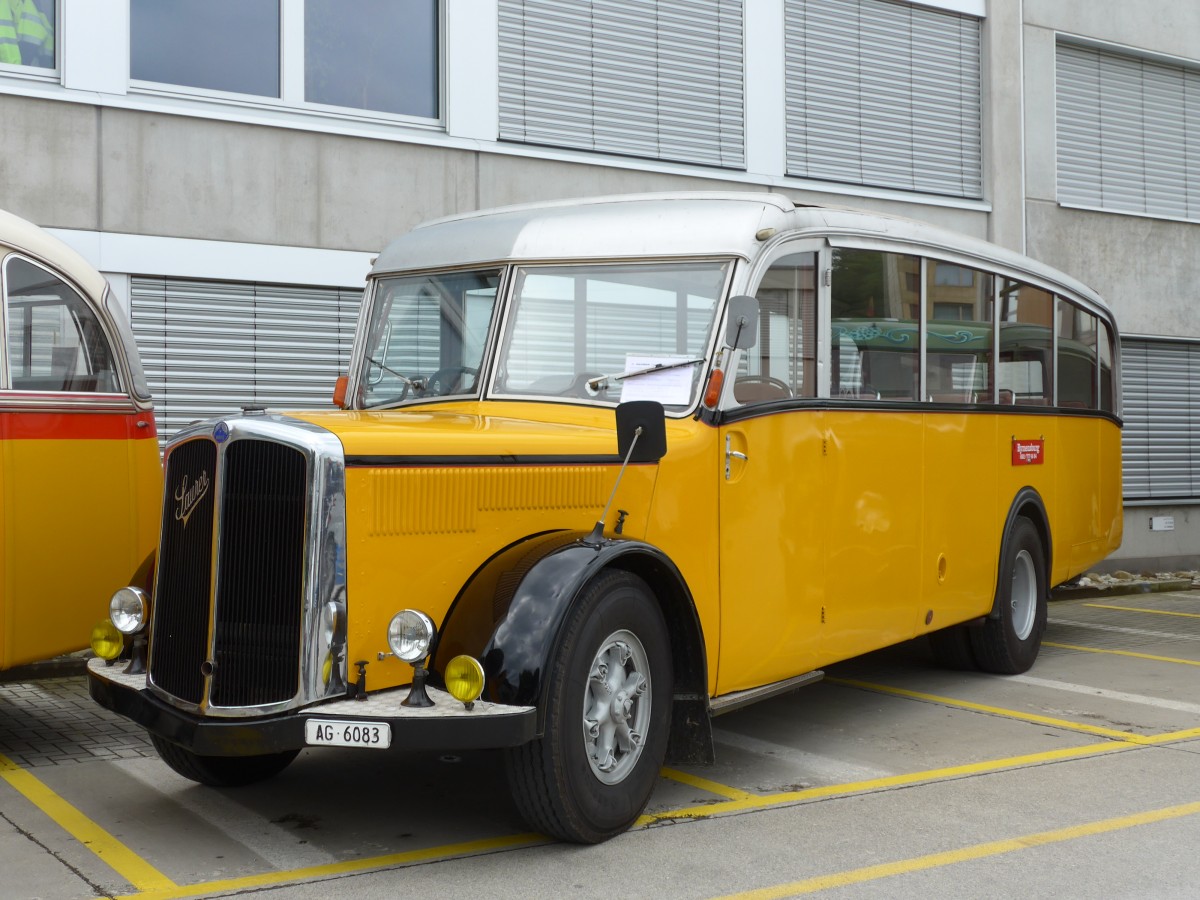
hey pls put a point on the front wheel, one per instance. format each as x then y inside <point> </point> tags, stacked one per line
<point>608,698</point>
<point>222,771</point>
<point>1009,643</point>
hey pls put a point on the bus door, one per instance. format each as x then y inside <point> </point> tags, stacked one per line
<point>772,492</point>
<point>79,471</point>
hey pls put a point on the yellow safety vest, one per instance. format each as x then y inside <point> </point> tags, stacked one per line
<point>9,49</point>
<point>35,33</point>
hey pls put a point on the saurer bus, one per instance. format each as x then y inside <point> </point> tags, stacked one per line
<point>80,477</point>
<point>607,468</point>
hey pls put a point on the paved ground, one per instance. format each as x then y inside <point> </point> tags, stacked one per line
<point>889,779</point>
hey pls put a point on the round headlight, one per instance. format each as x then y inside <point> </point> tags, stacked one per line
<point>129,610</point>
<point>464,679</point>
<point>107,642</point>
<point>409,635</point>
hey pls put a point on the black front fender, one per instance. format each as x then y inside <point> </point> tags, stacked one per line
<point>511,611</point>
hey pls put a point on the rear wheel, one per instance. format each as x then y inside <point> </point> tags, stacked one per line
<point>608,698</point>
<point>221,771</point>
<point>1008,644</point>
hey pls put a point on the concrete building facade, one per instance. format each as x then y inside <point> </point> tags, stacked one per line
<point>184,194</point>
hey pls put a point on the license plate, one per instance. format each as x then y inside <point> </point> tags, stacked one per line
<point>336,733</point>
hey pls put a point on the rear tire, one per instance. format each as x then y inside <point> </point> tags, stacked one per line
<point>608,709</point>
<point>221,771</point>
<point>1008,644</point>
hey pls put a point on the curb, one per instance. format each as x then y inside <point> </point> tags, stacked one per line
<point>1121,590</point>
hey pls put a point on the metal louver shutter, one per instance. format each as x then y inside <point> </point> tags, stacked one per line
<point>1128,133</point>
<point>654,78</point>
<point>1161,439</point>
<point>210,348</point>
<point>885,94</point>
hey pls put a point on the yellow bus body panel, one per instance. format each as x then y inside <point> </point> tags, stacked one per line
<point>80,518</point>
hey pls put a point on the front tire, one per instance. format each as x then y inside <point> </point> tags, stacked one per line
<point>608,698</point>
<point>1008,644</point>
<point>221,771</point>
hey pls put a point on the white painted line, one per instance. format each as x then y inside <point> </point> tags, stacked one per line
<point>280,847</point>
<point>1165,635</point>
<point>822,768</point>
<point>1141,699</point>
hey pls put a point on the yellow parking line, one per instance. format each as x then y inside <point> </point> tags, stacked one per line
<point>979,851</point>
<point>1168,659</point>
<point>1157,612</point>
<point>765,801</point>
<point>992,710</point>
<point>713,787</point>
<point>346,867</point>
<point>112,852</point>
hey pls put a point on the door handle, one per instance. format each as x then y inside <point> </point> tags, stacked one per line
<point>731,454</point>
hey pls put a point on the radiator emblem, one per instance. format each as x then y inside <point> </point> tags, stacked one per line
<point>188,497</point>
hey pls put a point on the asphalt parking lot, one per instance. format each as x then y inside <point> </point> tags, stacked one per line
<point>890,778</point>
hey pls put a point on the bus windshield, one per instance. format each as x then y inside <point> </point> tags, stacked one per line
<point>609,333</point>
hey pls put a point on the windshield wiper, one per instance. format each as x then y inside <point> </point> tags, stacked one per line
<point>600,382</point>
<point>417,384</point>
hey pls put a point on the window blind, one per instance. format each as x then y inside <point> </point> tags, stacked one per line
<point>1161,439</point>
<point>885,94</point>
<point>1128,133</point>
<point>210,348</point>
<point>654,78</point>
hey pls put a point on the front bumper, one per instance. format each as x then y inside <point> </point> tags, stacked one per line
<point>447,725</point>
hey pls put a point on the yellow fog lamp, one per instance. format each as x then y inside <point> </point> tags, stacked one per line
<point>129,611</point>
<point>410,634</point>
<point>107,641</point>
<point>464,679</point>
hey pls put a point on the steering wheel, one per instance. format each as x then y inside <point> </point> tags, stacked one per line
<point>762,387</point>
<point>447,380</point>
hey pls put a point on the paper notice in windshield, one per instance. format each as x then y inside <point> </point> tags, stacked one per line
<point>670,387</point>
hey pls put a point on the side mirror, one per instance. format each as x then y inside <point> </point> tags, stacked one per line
<point>647,415</point>
<point>741,329</point>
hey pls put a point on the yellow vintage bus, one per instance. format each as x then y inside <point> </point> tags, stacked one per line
<point>80,477</point>
<point>607,468</point>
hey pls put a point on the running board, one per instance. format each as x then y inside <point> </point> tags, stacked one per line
<point>729,702</point>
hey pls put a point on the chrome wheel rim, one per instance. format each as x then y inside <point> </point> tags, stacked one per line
<point>616,707</point>
<point>1023,597</point>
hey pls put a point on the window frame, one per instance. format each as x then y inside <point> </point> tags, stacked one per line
<point>291,97</point>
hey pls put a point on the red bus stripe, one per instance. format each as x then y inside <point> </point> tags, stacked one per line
<point>83,425</point>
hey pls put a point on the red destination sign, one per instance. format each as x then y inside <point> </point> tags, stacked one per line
<point>1028,453</point>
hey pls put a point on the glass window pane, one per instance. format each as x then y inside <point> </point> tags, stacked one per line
<point>27,33</point>
<point>958,334</point>
<point>55,342</point>
<point>218,45</point>
<point>379,55</point>
<point>574,323</point>
<point>427,336</point>
<point>1026,371</point>
<point>875,308</point>
<point>1106,367</point>
<point>1076,356</point>
<point>783,363</point>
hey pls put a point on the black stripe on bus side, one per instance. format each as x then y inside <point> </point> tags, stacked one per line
<point>499,459</point>
<point>755,410</point>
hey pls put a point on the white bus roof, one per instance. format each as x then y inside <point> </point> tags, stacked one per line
<point>26,238</point>
<point>674,225</point>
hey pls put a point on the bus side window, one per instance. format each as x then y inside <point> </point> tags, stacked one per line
<point>875,344</point>
<point>783,364</point>
<point>1077,354</point>
<point>1026,365</point>
<point>958,334</point>
<point>55,341</point>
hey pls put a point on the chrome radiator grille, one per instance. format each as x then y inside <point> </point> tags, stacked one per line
<point>241,640</point>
